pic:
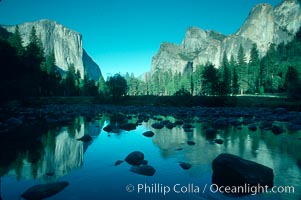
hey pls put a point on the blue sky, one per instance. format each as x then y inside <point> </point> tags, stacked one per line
<point>123,35</point>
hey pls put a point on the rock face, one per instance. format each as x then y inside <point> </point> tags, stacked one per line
<point>65,43</point>
<point>265,25</point>
<point>231,170</point>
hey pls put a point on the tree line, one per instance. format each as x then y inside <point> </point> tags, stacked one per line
<point>29,71</point>
<point>278,71</point>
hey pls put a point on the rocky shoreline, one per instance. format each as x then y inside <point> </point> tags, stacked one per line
<point>217,117</point>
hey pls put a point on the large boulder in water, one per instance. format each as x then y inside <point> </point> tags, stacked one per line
<point>148,134</point>
<point>43,191</point>
<point>231,170</point>
<point>128,126</point>
<point>135,158</point>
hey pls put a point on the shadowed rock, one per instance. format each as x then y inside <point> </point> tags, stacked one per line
<point>231,170</point>
<point>128,126</point>
<point>145,170</point>
<point>109,128</point>
<point>185,166</point>
<point>277,130</point>
<point>85,138</point>
<point>135,158</point>
<point>210,131</point>
<point>43,191</point>
<point>178,122</point>
<point>157,125</point>
<point>190,143</point>
<point>170,125</point>
<point>252,127</point>
<point>219,141</point>
<point>148,134</point>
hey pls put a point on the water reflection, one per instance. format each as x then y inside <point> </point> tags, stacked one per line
<point>57,154</point>
<point>54,154</point>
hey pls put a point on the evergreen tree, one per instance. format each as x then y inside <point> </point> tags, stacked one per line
<point>117,85</point>
<point>210,83</point>
<point>70,88</point>
<point>102,86</point>
<point>226,76</point>
<point>242,70</point>
<point>235,85</point>
<point>197,77</point>
<point>292,83</point>
<point>16,41</point>
<point>253,70</point>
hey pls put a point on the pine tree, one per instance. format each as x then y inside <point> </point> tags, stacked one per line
<point>292,83</point>
<point>226,76</point>
<point>16,41</point>
<point>210,79</point>
<point>235,85</point>
<point>242,70</point>
<point>253,70</point>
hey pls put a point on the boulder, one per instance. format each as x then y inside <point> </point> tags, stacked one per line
<point>219,141</point>
<point>277,130</point>
<point>128,126</point>
<point>178,122</point>
<point>185,166</point>
<point>145,170</point>
<point>170,125</point>
<point>252,127</point>
<point>135,158</point>
<point>148,134</point>
<point>187,126</point>
<point>190,143</point>
<point>210,131</point>
<point>231,170</point>
<point>109,128</point>
<point>43,191</point>
<point>157,125</point>
<point>85,138</point>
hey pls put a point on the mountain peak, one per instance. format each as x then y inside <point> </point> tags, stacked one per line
<point>64,42</point>
<point>264,25</point>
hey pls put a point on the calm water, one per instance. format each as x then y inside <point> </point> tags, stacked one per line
<point>90,170</point>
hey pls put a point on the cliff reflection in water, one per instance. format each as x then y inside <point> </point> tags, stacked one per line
<point>58,153</point>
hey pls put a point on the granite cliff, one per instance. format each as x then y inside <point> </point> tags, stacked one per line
<point>265,25</point>
<point>64,42</point>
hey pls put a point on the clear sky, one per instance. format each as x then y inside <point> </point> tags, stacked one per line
<point>123,35</point>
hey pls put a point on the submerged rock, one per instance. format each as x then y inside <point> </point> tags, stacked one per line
<point>185,166</point>
<point>148,134</point>
<point>85,138</point>
<point>135,158</point>
<point>43,191</point>
<point>252,127</point>
<point>219,141</point>
<point>170,125</point>
<point>190,143</point>
<point>128,126</point>
<point>157,125</point>
<point>231,170</point>
<point>118,162</point>
<point>178,122</point>
<point>277,130</point>
<point>210,131</point>
<point>145,170</point>
<point>109,128</point>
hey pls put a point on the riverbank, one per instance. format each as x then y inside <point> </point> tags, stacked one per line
<point>176,101</point>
